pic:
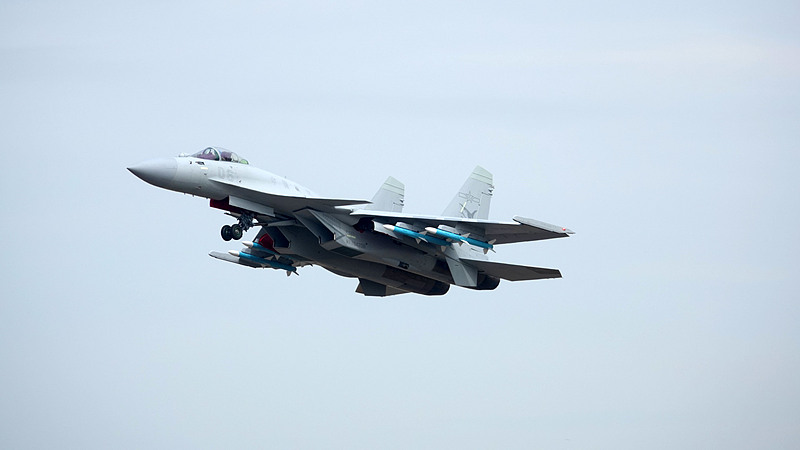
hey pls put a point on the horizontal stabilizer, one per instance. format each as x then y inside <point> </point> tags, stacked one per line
<point>512,272</point>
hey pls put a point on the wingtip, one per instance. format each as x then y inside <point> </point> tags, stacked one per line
<point>542,225</point>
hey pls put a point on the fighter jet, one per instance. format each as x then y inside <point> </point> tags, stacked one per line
<point>388,251</point>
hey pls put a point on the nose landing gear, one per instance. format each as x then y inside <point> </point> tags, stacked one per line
<point>236,231</point>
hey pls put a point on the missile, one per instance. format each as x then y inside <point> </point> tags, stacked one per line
<point>417,236</point>
<point>258,247</point>
<point>265,262</point>
<point>486,246</point>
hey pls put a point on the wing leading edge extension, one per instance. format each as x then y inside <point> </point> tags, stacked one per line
<point>287,202</point>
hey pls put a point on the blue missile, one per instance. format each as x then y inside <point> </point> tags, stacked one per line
<point>417,236</point>
<point>457,237</point>
<point>259,248</point>
<point>263,261</point>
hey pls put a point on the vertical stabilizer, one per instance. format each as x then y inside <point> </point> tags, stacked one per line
<point>389,197</point>
<point>472,201</point>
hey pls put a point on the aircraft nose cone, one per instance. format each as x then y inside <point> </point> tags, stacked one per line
<point>158,172</point>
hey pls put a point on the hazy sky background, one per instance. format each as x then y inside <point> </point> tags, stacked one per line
<point>667,136</point>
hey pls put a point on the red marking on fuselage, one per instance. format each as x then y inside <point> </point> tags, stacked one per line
<point>267,242</point>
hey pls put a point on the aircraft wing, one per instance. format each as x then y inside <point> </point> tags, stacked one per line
<point>521,230</point>
<point>286,202</point>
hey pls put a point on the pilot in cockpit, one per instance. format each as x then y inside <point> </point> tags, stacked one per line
<point>209,153</point>
<point>214,154</point>
<point>229,156</point>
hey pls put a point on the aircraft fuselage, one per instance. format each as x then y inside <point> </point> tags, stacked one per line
<point>388,251</point>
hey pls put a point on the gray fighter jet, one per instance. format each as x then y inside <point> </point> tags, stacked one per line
<point>388,251</point>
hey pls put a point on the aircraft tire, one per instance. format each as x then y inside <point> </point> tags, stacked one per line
<point>236,232</point>
<point>226,232</point>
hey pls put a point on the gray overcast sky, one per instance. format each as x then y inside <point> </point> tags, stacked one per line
<point>666,136</point>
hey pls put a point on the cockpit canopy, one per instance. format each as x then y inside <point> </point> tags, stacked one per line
<point>219,154</point>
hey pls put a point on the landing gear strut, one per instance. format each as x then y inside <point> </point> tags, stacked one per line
<point>236,231</point>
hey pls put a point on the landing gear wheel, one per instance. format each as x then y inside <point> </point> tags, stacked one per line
<point>227,232</point>
<point>236,232</point>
